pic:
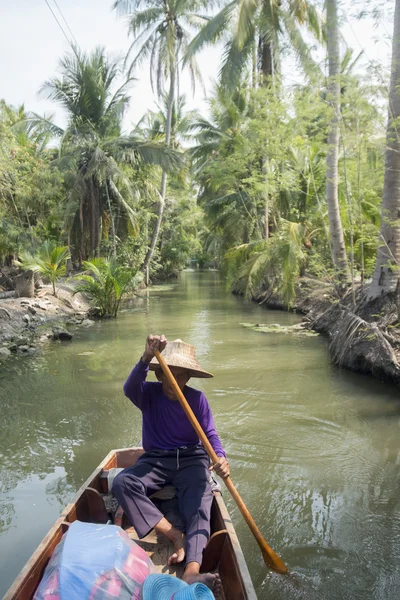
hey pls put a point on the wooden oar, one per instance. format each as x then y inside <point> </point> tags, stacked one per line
<point>270,557</point>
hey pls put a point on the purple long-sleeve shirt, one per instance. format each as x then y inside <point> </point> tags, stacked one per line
<point>164,423</point>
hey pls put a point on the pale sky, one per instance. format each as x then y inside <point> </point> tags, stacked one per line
<point>31,43</point>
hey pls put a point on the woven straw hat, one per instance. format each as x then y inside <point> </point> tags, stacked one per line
<point>179,354</point>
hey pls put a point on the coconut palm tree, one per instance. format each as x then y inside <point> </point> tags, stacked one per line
<point>272,265</point>
<point>387,274</point>
<point>106,283</point>
<point>161,32</point>
<point>258,28</point>
<point>154,123</point>
<point>228,114</point>
<point>25,134</point>
<point>50,261</point>
<point>92,146</point>
<point>229,210</point>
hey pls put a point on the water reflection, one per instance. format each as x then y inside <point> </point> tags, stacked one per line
<point>314,450</point>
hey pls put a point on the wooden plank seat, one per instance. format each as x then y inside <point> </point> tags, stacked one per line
<point>165,499</point>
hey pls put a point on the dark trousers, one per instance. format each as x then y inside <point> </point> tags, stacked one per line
<point>185,468</point>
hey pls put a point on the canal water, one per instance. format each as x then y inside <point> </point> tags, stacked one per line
<point>314,450</point>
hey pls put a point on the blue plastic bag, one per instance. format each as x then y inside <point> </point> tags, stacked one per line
<point>95,562</point>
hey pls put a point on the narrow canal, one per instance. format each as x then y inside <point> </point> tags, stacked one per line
<point>314,451</point>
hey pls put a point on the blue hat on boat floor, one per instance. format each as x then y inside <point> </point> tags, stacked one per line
<point>166,587</point>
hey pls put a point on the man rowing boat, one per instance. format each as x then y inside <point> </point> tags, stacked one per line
<point>173,455</point>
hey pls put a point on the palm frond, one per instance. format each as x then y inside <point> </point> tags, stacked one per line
<point>145,18</point>
<point>212,31</point>
<point>274,263</point>
<point>301,48</point>
<point>127,208</point>
<point>234,63</point>
<point>245,26</point>
<point>50,261</point>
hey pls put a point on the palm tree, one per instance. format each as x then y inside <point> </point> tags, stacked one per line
<point>106,284</point>
<point>25,134</point>
<point>161,33</point>
<point>50,261</point>
<point>386,277</point>
<point>257,28</point>
<point>268,266</point>
<point>228,114</point>
<point>230,210</point>
<point>338,248</point>
<point>153,124</point>
<point>92,146</point>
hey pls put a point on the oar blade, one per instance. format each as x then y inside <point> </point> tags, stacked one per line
<point>273,561</point>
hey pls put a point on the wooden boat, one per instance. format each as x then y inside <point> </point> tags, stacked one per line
<point>223,552</point>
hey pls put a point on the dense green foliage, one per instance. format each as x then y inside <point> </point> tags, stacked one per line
<point>246,187</point>
<point>260,164</point>
<point>31,190</point>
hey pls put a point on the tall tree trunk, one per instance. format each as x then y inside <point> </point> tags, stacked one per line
<point>387,274</point>
<point>360,213</point>
<point>157,226</point>
<point>114,238</point>
<point>266,197</point>
<point>94,217</point>
<point>92,225</point>
<point>266,58</point>
<point>338,249</point>
<point>81,236</point>
<point>267,72</point>
<point>254,70</point>
<point>97,222</point>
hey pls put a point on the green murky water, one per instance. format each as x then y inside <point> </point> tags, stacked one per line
<point>314,451</point>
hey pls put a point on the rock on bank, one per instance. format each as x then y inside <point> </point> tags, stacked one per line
<point>24,320</point>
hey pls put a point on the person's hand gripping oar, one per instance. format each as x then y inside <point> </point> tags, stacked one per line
<point>270,557</point>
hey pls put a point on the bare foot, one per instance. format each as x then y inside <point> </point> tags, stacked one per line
<point>178,539</point>
<point>211,580</point>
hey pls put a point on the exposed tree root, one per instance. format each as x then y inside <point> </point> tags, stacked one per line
<point>365,338</point>
<point>355,343</point>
